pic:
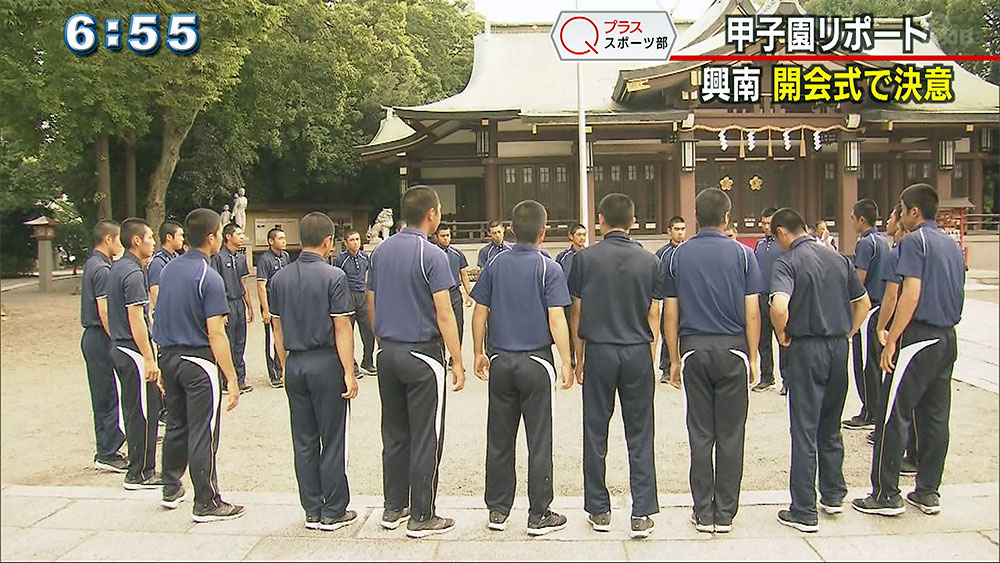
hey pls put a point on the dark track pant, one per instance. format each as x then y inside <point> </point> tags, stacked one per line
<point>628,371</point>
<point>522,384</point>
<point>359,302</point>
<point>194,398</point>
<point>96,347</point>
<point>411,384</point>
<point>715,384</point>
<point>314,380</point>
<point>766,346</point>
<point>236,330</point>
<point>918,393</point>
<point>141,408</point>
<point>458,305</point>
<point>867,374</point>
<point>270,356</point>
<point>817,388</point>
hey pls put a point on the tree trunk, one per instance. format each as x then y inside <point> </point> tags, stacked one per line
<point>175,130</point>
<point>130,205</point>
<point>102,173</point>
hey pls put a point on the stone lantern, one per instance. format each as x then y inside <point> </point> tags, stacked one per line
<point>44,232</point>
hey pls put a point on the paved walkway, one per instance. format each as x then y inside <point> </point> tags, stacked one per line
<point>77,523</point>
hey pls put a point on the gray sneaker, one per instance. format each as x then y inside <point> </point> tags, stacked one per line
<point>152,482</point>
<point>429,527</point>
<point>705,527</point>
<point>117,464</point>
<point>600,522</point>
<point>498,521</point>
<point>642,526</point>
<point>551,522</point>
<point>907,468</point>
<point>221,511</point>
<point>174,499</point>
<point>871,505</point>
<point>928,503</point>
<point>330,523</point>
<point>391,519</point>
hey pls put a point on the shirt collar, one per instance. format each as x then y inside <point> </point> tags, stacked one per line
<point>802,239</point>
<point>870,231</point>
<point>930,224</point>
<point>133,258</point>
<point>101,255</point>
<point>195,253</point>
<point>310,256</point>
<point>413,231</point>
<point>524,247</point>
<point>172,255</point>
<point>617,235</point>
<point>710,232</point>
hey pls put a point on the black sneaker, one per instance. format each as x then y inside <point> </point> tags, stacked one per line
<point>784,391</point>
<point>907,468</point>
<point>275,382</point>
<point>801,524</point>
<point>117,464</point>
<point>762,386</point>
<point>551,522</point>
<point>391,519</point>
<point>225,390</point>
<point>221,511</point>
<point>871,505</point>
<point>831,507</point>
<point>665,378</point>
<point>245,388</point>
<point>330,523</point>
<point>174,499</point>
<point>152,482</point>
<point>928,503</point>
<point>600,522</point>
<point>723,525</point>
<point>858,422</point>
<point>312,522</point>
<point>498,521</point>
<point>870,438</point>
<point>707,528</point>
<point>429,527</point>
<point>642,526</point>
<point>370,370</point>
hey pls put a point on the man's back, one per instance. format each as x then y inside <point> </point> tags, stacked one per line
<point>934,257</point>
<point>305,295</point>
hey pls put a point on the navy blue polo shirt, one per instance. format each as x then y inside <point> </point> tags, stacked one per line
<point>306,295</point>
<point>489,251</point>
<point>935,258</point>
<point>711,275</point>
<point>617,281</point>
<point>565,260</point>
<point>356,268</point>
<point>457,262</point>
<point>767,250</point>
<point>233,268</point>
<point>519,287</point>
<point>191,292</point>
<point>406,271</point>
<point>889,268</point>
<point>660,252</point>
<point>268,263</point>
<point>156,264</point>
<point>870,255</point>
<point>127,286</point>
<point>94,286</point>
<point>821,285</point>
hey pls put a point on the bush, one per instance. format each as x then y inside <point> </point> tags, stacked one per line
<point>18,250</point>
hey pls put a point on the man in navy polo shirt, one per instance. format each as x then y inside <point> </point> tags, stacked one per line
<point>132,353</point>
<point>578,241</point>
<point>616,313</point>
<point>495,246</point>
<point>870,256</point>
<point>524,294</point>
<point>96,347</point>
<point>171,242</point>
<point>711,287</point>
<point>190,332</point>
<point>817,304</point>
<point>311,309</point>
<point>354,262</point>
<point>918,391</point>
<point>767,250</point>
<point>460,271</point>
<point>677,230</point>
<point>409,287</point>
<point>269,262</point>
<point>233,269</point>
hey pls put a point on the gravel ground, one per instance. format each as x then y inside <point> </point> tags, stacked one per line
<point>47,432</point>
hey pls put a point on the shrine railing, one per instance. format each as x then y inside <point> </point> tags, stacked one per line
<point>982,222</point>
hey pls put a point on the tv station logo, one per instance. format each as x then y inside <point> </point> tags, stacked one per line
<point>613,36</point>
<point>142,35</point>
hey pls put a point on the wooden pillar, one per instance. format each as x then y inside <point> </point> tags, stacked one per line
<point>895,175</point>
<point>804,187</point>
<point>685,182</point>
<point>493,212</point>
<point>847,196</point>
<point>976,175</point>
<point>591,204</point>
<point>942,178</point>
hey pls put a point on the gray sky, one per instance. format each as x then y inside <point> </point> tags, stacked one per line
<point>548,10</point>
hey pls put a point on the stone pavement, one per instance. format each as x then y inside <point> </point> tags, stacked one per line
<point>79,523</point>
<point>978,334</point>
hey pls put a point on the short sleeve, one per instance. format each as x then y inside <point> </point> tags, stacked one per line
<point>754,279</point>
<point>555,290</point>
<point>783,278</point>
<point>481,259</point>
<point>575,280</point>
<point>658,282</point>
<point>275,302</point>
<point>216,263</point>
<point>213,296</point>
<point>666,275</point>
<point>911,256</point>
<point>155,268</point>
<point>463,262</point>
<point>889,269</point>
<point>482,292</point>
<point>855,289</point>
<point>438,271</point>
<point>241,266</point>
<point>101,282</point>
<point>371,272</point>
<point>339,296</point>
<point>264,268</point>
<point>134,289</point>
<point>864,253</point>
<point>338,261</point>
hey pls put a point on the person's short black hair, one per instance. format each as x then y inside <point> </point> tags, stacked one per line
<point>131,228</point>
<point>493,224</point>
<point>314,228</point>
<point>443,227</point>
<point>923,197</point>
<point>576,227</point>
<point>674,220</point>
<point>618,211</point>
<point>788,219</point>
<point>273,234</point>
<point>866,209</point>
<point>711,206</point>
<point>417,201</point>
<point>104,228</point>
<point>529,219</point>
<point>168,228</point>
<point>228,230</point>
<point>199,224</point>
<point>348,234</point>
<point>400,225</point>
<point>767,212</point>
<point>895,210</point>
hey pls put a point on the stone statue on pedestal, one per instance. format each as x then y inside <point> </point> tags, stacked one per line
<point>227,216</point>
<point>379,231</point>
<point>240,209</point>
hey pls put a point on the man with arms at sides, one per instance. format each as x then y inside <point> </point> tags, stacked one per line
<point>409,300</point>
<point>132,353</point>
<point>616,315</point>
<point>96,347</point>
<point>355,262</point>
<point>190,332</point>
<point>767,250</point>
<point>817,304</point>
<point>578,241</point>
<point>918,390</point>
<point>527,313</point>
<point>495,246</point>
<point>311,309</point>
<point>460,271</point>
<point>870,256</point>
<point>677,229</point>
<point>268,263</point>
<point>171,243</point>
<point>233,269</point>
<point>711,292</point>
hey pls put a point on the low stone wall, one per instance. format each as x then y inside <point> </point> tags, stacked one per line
<point>984,251</point>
